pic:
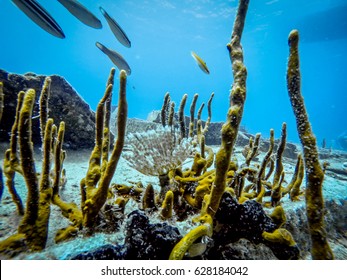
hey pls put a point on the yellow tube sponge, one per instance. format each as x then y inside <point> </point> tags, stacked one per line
<point>259,185</point>
<point>192,111</point>
<point>96,197</point>
<point>252,149</point>
<point>276,192</point>
<point>204,229</point>
<point>35,221</point>
<point>27,159</point>
<point>11,161</point>
<point>107,117</point>
<point>148,199</point>
<point>209,110</point>
<point>234,116</point>
<point>314,173</point>
<point>229,134</point>
<point>164,109</point>
<point>170,121</point>
<point>166,208</point>
<point>198,116</point>
<point>33,229</point>
<point>181,116</point>
<point>45,196</point>
<point>278,216</point>
<point>43,102</point>
<point>198,165</point>
<point>281,236</point>
<point>58,158</point>
<point>295,191</point>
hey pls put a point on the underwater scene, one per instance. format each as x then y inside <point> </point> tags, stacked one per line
<point>170,130</point>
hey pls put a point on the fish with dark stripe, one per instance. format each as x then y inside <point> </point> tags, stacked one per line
<point>116,29</point>
<point>81,13</point>
<point>115,57</point>
<point>40,16</point>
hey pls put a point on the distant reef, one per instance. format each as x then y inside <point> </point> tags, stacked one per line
<point>65,104</point>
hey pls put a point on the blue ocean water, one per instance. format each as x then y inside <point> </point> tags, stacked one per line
<point>164,32</point>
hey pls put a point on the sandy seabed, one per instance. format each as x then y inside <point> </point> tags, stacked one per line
<point>76,165</point>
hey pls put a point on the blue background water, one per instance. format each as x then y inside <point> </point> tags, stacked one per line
<point>164,32</point>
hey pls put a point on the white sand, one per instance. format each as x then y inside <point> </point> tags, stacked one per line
<point>76,165</point>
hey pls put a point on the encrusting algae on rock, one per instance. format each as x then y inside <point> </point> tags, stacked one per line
<point>220,199</point>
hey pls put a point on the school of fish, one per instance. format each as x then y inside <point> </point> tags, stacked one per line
<point>43,19</point>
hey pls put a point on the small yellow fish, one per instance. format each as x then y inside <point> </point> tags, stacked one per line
<point>200,62</point>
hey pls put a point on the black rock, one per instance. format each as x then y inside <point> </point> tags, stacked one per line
<point>248,221</point>
<point>147,241</point>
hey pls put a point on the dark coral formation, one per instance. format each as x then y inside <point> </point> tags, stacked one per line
<point>236,224</point>
<point>144,241</point>
<point>147,241</point>
<point>247,221</point>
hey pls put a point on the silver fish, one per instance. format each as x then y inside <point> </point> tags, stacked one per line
<point>116,29</point>
<point>81,13</point>
<point>40,16</point>
<point>116,58</point>
<point>196,249</point>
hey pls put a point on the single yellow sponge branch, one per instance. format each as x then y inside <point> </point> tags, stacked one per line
<point>11,161</point>
<point>166,212</point>
<point>44,97</point>
<point>192,112</point>
<point>276,193</point>
<point>281,236</point>
<point>181,116</point>
<point>314,173</point>
<point>27,158</point>
<point>164,109</point>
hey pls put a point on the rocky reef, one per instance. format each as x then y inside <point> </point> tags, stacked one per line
<point>64,104</point>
